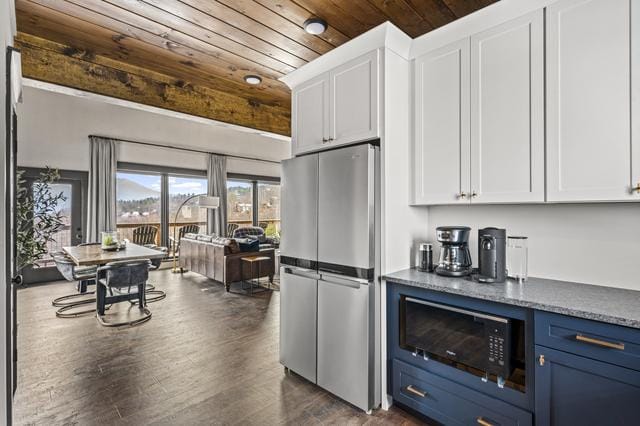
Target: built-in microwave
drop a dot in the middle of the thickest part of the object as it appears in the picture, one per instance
(466, 339)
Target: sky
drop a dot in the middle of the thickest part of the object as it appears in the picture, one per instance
(182, 185)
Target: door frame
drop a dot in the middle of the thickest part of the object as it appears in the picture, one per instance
(39, 275)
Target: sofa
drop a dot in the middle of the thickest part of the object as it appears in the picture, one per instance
(220, 258)
(258, 233)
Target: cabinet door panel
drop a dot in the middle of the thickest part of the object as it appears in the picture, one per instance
(310, 115)
(354, 100)
(572, 390)
(441, 139)
(589, 101)
(507, 112)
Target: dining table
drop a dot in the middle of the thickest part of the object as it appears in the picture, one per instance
(94, 255)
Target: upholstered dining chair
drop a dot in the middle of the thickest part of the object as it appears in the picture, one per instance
(83, 275)
(145, 234)
(122, 277)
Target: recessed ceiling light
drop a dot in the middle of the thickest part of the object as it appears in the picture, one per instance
(253, 79)
(315, 26)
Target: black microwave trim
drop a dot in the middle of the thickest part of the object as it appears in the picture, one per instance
(459, 310)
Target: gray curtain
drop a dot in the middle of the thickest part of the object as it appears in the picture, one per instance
(101, 215)
(217, 186)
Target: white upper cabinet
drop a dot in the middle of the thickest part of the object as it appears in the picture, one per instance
(507, 112)
(338, 107)
(591, 152)
(354, 100)
(310, 115)
(441, 119)
(479, 117)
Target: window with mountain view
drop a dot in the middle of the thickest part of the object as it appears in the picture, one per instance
(138, 202)
(240, 202)
(181, 188)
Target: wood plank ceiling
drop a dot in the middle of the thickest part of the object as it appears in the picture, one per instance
(192, 55)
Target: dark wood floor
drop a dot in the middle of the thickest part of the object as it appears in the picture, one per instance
(206, 357)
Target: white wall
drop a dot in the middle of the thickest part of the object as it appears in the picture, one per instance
(54, 130)
(588, 243)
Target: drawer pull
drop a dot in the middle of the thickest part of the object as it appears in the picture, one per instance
(598, 342)
(484, 422)
(414, 390)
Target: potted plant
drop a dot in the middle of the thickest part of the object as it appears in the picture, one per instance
(38, 218)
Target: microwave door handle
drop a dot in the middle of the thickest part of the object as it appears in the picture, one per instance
(300, 272)
(458, 310)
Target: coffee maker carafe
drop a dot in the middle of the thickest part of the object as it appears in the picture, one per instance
(492, 265)
(455, 258)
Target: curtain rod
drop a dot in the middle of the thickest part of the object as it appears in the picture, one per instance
(187, 149)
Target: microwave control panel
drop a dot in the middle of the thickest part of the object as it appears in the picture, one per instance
(498, 348)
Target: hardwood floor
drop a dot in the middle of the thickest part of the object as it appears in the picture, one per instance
(206, 357)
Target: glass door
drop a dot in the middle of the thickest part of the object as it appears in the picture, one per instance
(139, 204)
(70, 185)
(191, 218)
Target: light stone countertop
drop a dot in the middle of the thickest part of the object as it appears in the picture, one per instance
(607, 304)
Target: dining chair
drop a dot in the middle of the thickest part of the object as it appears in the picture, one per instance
(83, 275)
(122, 277)
(154, 266)
(145, 234)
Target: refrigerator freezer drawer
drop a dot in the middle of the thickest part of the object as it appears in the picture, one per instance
(298, 296)
(345, 341)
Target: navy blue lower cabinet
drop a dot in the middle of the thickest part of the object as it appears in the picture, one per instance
(574, 390)
(449, 403)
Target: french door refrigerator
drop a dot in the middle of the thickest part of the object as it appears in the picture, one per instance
(329, 318)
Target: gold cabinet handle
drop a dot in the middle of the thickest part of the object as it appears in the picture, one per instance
(635, 188)
(474, 194)
(483, 422)
(414, 390)
(462, 195)
(325, 140)
(598, 342)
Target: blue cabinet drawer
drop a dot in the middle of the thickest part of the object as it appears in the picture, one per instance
(604, 342)
(450, 403)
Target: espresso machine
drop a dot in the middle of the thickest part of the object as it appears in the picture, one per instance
(455, 258)
(492, 265)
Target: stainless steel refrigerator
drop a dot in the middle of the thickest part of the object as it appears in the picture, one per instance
(329, 290)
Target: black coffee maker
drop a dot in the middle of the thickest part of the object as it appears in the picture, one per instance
(492, 247)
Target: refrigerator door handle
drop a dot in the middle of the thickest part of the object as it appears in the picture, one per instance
(343, 281)
(305, 273)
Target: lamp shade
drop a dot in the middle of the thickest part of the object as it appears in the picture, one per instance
(208, 202)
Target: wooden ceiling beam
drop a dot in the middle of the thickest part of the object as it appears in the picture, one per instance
(122, 47)
(59, 64)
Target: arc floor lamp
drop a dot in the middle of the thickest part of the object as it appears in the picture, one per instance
(204, 202)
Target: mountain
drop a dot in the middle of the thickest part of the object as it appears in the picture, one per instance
(129, 190)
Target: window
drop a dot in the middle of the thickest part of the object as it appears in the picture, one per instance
(240, 202)
(138, 198)
(269, 208)
(61, 238)
(181, 188)
(254, 202)
(152, 195)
